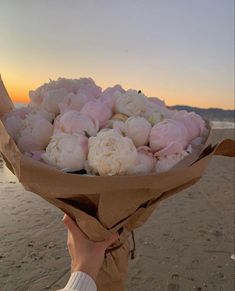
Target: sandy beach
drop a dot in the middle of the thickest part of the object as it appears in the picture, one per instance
(186, 244)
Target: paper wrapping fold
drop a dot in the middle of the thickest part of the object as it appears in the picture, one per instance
(103, 205)
(5, 101)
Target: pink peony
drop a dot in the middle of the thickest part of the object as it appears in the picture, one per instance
(56, 124)
(109, 96)
(49, 95)
(20, 112)
(97, 111)
(172, 148)
(13, 125)
(167, 132)
(192, 121)
(37, 155)
(89, 88)
(27, 144)
(76, 122)
(13, 121)
(51, 100)
(44, 114)
(34, 134)
(74, 101)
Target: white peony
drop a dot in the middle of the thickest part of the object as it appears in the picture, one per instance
(154, 117)
(159, 111)
(118, 126)
(130, 103)
(147, 161)
(165, 163)
(66, 151)
(153, 114)
(138, 129)
(111, 154)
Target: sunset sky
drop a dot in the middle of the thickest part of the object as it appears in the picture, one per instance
(179, 50)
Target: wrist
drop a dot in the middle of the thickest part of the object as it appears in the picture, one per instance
(89, 270)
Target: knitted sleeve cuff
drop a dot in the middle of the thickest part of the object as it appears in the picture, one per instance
(81, 282)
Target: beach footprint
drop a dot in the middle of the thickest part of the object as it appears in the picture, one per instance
(173, 284)
(173, 287)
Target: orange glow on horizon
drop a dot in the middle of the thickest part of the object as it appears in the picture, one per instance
(20, 96)
(20, 93)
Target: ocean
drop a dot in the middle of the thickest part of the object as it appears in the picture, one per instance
(222, 124)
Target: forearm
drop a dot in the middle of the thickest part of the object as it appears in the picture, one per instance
(80, 281)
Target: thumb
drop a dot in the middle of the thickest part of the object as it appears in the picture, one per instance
(69, 223)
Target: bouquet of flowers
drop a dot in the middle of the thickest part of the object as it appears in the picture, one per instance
(105, 157)
(73, 126)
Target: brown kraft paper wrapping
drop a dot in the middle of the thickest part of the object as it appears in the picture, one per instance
(103, 205)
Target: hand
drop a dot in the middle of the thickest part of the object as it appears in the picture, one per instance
(86, 256)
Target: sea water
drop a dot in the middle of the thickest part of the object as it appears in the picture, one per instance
(222, 124)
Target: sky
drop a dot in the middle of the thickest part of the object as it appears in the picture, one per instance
(179, 50)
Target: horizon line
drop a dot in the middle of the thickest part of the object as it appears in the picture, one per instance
(205, 108)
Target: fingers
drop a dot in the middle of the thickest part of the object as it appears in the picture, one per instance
(73, 227)
(76, 232)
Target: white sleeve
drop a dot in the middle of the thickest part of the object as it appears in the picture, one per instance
(80, 281)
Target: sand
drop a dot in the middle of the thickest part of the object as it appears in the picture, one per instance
(186, 244)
